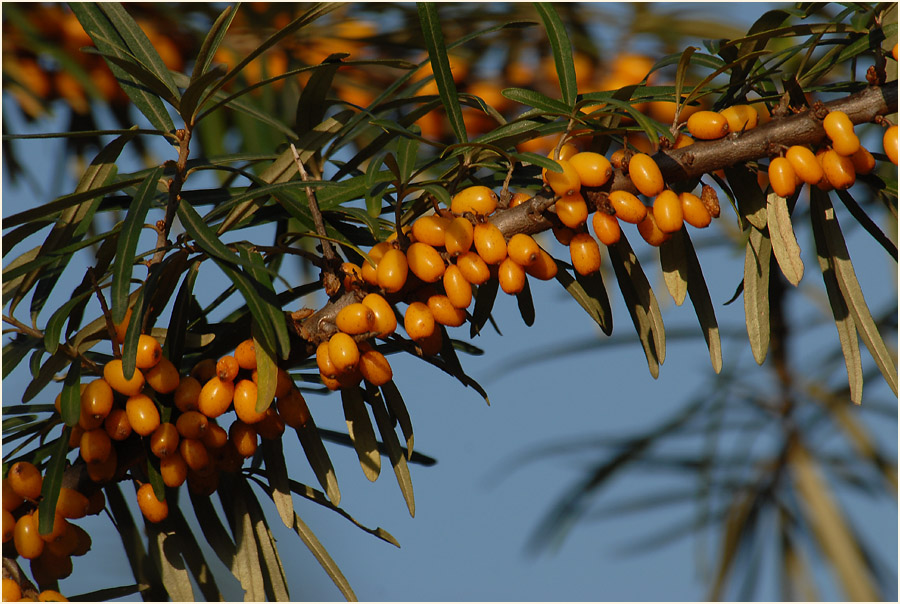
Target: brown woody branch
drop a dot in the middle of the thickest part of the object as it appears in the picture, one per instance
(183, 136)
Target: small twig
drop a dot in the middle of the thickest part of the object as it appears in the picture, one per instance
(183, 136)
(110, 326)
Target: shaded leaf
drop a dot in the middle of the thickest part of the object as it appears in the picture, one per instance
(211, 42)
(673, 262)
(398, 411)
(392, 444)
(784, 242)
(173, 349)
(213, 530)
(70, 397)
(52, 481)
(590, 293)
(702, 303)
(321, 554)
(246, 562)
(276, 471)
(750, 199)
(165, 550)
(526, 304)
(318, 459)
(193, 556)
(440, 66)
(484, 303)
(274, 578)
(361, 432)
(756, 292)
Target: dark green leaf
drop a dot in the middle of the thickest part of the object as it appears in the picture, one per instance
(70, 397)
(537, 100)
(562, 51)
(173, 349)
(194, 557)
(526, 304)
(359, 427)
(392, 444)
(703, 306)
(750, 199)
(53, 475)
(590, 293)
(318, 459)
(440, 66)
(49, 368)
(398, 411)
(312, 103)
(211, 42)
(484, 303)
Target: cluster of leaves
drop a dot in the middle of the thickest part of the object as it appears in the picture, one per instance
(372, 172)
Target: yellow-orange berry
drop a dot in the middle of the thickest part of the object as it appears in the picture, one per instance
(651, 232)
(477, 199)
(838, 169)
(375, 369)
(142, 414)
(355, 318)
(694, 211)
(25, 479)
(393, 269)
(523, 249)
(245, 353)
(567, 151)
(215, 436)
(227, 368)
(244, 438)
(444, 312)
(292, 407)
(489, 243)
(271, 426)
(11, 590)
(343, 352)
(117, 425)
(215, 397)
(839, 129)
(563, 234)
(585, 253)
(95, 445)
(740, 117)
(459, 236)
(473, 268)
(26, 538)
(11, 499)
(59, 526)
(572, 210)
(667, 212)
(385, 320)
(544, 269)
(458, 289)
(782, 177)
(204, 370)
(114, 376)
(425, 262)
(805, 164)
(187, 395)
(890, 141)
(51, 595)
(593, 169)
(566, 182)
(152, 508)
(606, 228)
(863, 161)
(370, 271)
(173, 470)
(66, 543)
(323, 361)
(122, 327)
(71, 504)
(432, 344)
(519, 199)
(194, 453)
(431, 230)
(245, 394)
(164, 440)
(628, 207)
(191, 424)
(645, 174)
(96, 401)
(682, 140)
(9, 525)
(707, 125)
(511, 276)
(149, 352)
(418, 321)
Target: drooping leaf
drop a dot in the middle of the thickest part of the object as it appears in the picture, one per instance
(703, 306)
(194, 557)
(590, 293)
(484, 303)
(165, 550)
(274, 577)
(315, 546)
(318, 459)
(246, 562)
(70, 397)
(440, 67)
(392, 444)
(756, 292)
(173, 349)
(398, 410)
(276, 471)
(213, 530)
(784, 242)
(361, 432)
(750, 199)
(52, 481)
(673, 261)
(526, 304)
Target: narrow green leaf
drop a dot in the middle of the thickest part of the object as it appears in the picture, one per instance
(53, 475)
(784, 242)
(683, 63)
(703, 306)
(156, 481)
(484, 303)
(750, 199)
(321, 554)
(190, 100)
(440, 66)
(867, 223)
(756, 292)
(276, 471)
(48, 370)
(395, 453)
(359, 427)
(562, 51)
(673, 262)
(407, 154)
(259, 273)
(535, 99)
(128, 241)
(56, 321)
(213, 530)
(211, 42)
(526, 304)
(312, 104)
(109, 594)
(266, 369)
(173, 349)
(259, 308)
(135, 325)
(319, 460)
(274, 578)
(70, 397)
(590, 293)
(398, 410)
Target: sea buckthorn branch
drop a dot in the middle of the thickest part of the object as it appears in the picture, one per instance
(183, 136)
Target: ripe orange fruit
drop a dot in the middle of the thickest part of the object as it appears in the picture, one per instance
(192, 424)
(77, 431)
(839, 129)
(292, 407)
(245, 394)
(523, 249)
(25, 480)
(122, 327)
(477, 199)
(11, 499)
(95, 445)
(432, 344)
(890, 141)
(489, 243)
(518, 199)
(117, 425)
(650, 232)
(544, 269)
(152, 508)
(563, 183)
(585, 254)
(393, 269)
(563, 234)
(740, 117)
(26, 538)
(444, 312)
(105, 470)
(606, 227)
(215, 397)
(459, 236)
(425, 262)
(9, 526)
(142, 414)
(838, 169)
(11, 590)
(187, 395)
(323, 361)
(245, 353)
(645, 174)
(271, 426)
(112, 373)
(369, 271)
(164, 440)
(51, 595)
(566, 152)
(149, 352)
(204, 370)
(572, 210)
(458, 289)
(173, 470)
(71, 504)
(215, 436)
(805, 165)
(343, 352)
(707, 125)
(431, 230)
(473, 268)
(59, 526)
(782, 177)
(227, 368)
(385, 320)
(418, 321)
(682, 140)
(863, 162)
(244, 438)
(97, 401)
(694, 211)
(375, 369)
(355, 318)
(511, 276)
(593, 169)
(667, 212)
(194, 453)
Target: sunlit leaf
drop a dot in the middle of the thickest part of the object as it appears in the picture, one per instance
(784, 242)
(673, 261)
(392, 444)
(361, 432)
(276, 471)
(562, 50)
(315, 546)
(756, 292)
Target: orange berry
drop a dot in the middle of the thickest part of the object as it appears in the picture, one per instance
(96, 503)
(283, 382)
(97, 400)
(617, 159)
(667, 212)
(164, 440)
(245, 394)
(628, 207)
(9, 525)
(650, 232)
(511, 276)
(544, 269)
(473, 268)
(343, 352)
(187, 395)
(805, 165)
(740, 117)
(523, 249)
(59, 526)
(51, 595)
(215, 436)
(489, 243)
(323, 361)
(458, 289)
(75, 435)
(227, 368)
(863, 162)
(122, 327)
(566, 152)
(393, 269)
(271, 426)
(585, 253)
(11, 499)
(355, 318)
(418, 321)
(95, 445)
(606, 227)
(431, 230)
(152, 508)
(782, 177)
(518, 199)
(244, 438)
(707, 125)
(192, 424)
(194, 453)
(142, 414)
(593, 169)
(839, 129)
(838, 169)
(375, 368)
(105, 470)
(11, 590)
(204, 370)
(563, 183)
(385, 320)
(890, 143)
(476, 199)
(369, 271)
(572, 210)
(432, 344)
(25, 480)
(292, 406)
(117, 425)
(26, 538)
(694, 211)
(682, 140)
(425, 262)
(459, 236)
(563, 234)
(112, 373)
(245, 353)
(149, 352)
(71, 504)
(444, 312)
(215, 397)
(66, 543)
(173, 470)
(645, 174)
